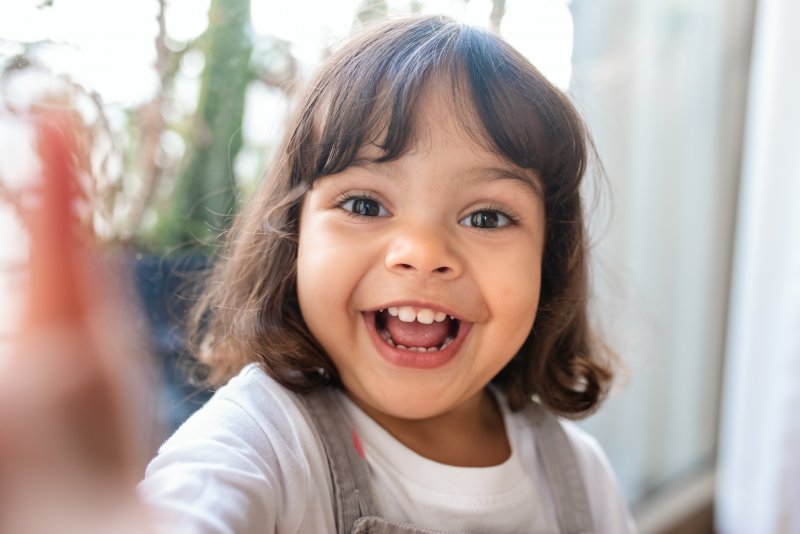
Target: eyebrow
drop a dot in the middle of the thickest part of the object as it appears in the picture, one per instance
(473, 176)
(488, 174)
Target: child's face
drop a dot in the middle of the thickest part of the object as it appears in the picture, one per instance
(412, 232)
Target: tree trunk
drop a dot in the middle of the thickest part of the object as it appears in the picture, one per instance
(205, 196)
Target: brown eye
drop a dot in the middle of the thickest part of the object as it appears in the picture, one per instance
(364, 207)
(486, 220)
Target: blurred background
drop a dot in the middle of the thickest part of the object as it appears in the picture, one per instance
(694, 108)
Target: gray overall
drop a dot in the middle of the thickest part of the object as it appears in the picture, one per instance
(354, 507)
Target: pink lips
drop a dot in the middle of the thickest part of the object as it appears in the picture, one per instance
(415, 360)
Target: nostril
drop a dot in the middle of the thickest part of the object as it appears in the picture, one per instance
(442, 269)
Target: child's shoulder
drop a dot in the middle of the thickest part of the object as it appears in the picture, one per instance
(253, 406)
(589, 454)
(606, 498)
(248, 456)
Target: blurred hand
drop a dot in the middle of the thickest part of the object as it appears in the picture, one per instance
(75, 398)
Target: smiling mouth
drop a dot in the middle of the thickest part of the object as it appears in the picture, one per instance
(396, 330)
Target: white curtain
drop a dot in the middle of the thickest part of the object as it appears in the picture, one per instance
(759, 462)
(659, 82)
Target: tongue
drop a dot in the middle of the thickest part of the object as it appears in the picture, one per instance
(417, 334)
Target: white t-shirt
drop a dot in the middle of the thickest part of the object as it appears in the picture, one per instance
(249, 461)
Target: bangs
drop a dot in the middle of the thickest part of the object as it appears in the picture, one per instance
(368, 94)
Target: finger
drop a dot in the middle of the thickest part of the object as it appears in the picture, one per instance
(73, 367)
(109, 388)
(54, 296)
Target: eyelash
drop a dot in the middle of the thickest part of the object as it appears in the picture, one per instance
(513, 219)
(361, 195)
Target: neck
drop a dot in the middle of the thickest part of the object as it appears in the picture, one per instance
(470, 435)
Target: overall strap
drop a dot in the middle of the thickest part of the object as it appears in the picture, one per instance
(349, 475)
(562, 472)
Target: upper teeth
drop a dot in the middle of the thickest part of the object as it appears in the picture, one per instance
(409, 314)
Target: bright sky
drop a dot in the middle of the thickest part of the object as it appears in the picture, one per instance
(110, 42)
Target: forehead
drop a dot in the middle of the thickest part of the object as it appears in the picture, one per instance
(446, 127)
(443, 112)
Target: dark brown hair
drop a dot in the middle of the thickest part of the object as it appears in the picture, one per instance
(366, 93)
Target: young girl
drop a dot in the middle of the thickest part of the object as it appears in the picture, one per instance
(412, 272)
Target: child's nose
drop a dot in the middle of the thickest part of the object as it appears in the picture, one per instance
(423, 252)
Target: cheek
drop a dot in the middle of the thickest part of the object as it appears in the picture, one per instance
(328, 254)
(320, 271)
(329, 269)
(515, 292)
(313, 257)
(317, 298)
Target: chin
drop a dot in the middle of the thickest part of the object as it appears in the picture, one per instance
(408, 403)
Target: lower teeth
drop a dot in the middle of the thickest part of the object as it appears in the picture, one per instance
(388, 338)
